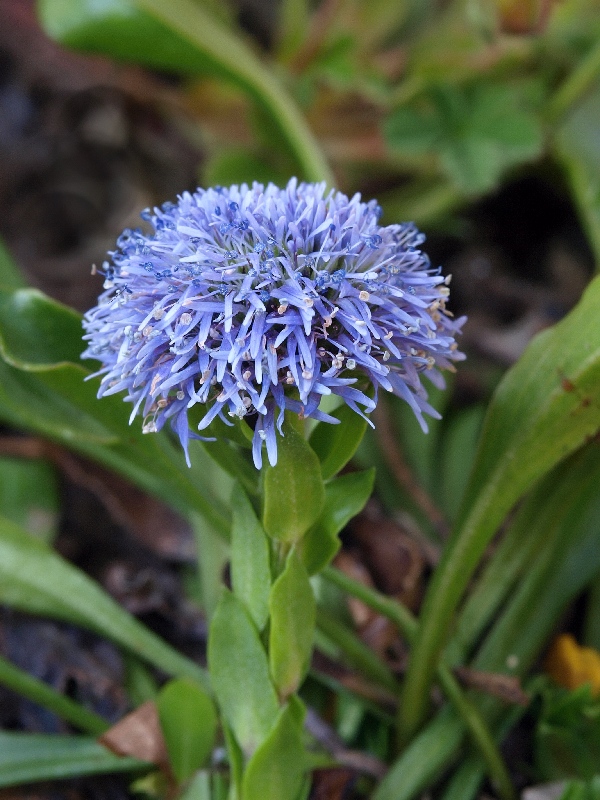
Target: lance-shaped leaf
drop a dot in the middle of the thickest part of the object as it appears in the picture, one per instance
(293, 611)
(546, 406)
(276, 770)
(294, 493)
(35, 579)
(239, 673)
(25, 758)
(345, 497)
(189, 723)
(250, 560)
(336, 444)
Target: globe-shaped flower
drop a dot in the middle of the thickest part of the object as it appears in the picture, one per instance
(253, 300)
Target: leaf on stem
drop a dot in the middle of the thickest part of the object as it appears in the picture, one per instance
(276, 770)
(294, 494)
(189, 723)
(250, 560)
(292, 609)
(239, 672)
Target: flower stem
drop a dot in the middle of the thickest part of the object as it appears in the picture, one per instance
(39, 692)
(575, 86)
(408, 624)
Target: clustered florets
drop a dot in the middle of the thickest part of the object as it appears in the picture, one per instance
(253, 300)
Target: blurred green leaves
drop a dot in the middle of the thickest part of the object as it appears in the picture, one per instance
(477, 132)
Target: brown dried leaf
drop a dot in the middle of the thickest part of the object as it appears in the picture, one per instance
(505, 687)
(138, 735)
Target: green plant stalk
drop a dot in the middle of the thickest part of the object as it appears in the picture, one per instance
(575, 86)
(39, 692)
(192, 22)
(356, 652)
(470, 715)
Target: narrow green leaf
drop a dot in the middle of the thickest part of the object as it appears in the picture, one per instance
(35, 579)
(189, 723)
(345, 497)
(43, 388)
(546, 406)
(578, 150)
(292, 609)
(336, 444)
(276, 770)
(29, 495)
(250, 559)
(44, 695)
(183, 37)
(10, 276)
(293, 490)
(27, 758)
(239, 673)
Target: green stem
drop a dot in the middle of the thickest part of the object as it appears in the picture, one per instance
(39, 692)
(575, 86)
(234, 57)
(408, 624)
(356, 652)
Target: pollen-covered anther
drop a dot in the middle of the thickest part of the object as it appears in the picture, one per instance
(282, 309)
(147, 330)
(364, 296)
(158, 313)
(162, 402)
(246, 375)
(180, 395)
(185, 318)
(350, 364)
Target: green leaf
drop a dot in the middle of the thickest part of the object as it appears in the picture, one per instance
(43, 389)
(29, 495)
(27, 758)
(336, 444)
(239, 673)
(293, 610)
(276, 770)
(578, 150)
(35, 579)
(345, 497)
(250, 559)
(293, 489)
(198, 788)
(189, 723)
(478, 131)
(545, 407)
(413, 131)
(183, 37)
(10, 276)
(459, 444)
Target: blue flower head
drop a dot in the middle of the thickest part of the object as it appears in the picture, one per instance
(249, 301)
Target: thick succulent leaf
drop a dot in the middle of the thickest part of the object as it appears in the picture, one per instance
(546, 407)
(25, 758)
(35, 579)
(43, 388)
